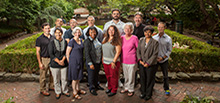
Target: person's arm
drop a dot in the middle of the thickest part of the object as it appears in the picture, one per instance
(118, 52)
(169, 49)
(153, 58)
(67, 40)
(87, 48)
(68, 50)
(139, 52)
(41, 66)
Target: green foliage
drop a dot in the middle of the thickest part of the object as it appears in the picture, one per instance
(6, 30)
(9, 100)
(194, 99)
(21, 56)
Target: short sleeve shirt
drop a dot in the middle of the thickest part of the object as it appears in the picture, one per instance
(43, 42)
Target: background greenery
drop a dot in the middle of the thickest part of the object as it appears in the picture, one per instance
(21, 56)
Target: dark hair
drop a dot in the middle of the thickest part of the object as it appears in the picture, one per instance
(44, 24)
(116, 10)
(138, 13)
(59, 30)
(92, 28)
(146, 28)
(116, 39)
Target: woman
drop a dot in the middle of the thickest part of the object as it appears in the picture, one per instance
(147, 55)
(93, 51)
(58, 64)
(74, 54)
(111, 48)
(128, 58)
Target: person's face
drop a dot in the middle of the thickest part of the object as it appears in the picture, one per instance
(127, 29)
(46, 29)
(59, 22)
(58, 34)
(147, 34)
(77, 33)
(111, 31)
(91, 21)
(73, 23)
(92, 33)
(115, 15)
(138, 19)
(161, 28)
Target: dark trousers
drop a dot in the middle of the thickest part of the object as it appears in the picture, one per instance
(147, 79)
(93, 76)
(164, 68)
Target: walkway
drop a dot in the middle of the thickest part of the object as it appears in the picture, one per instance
(28, 92)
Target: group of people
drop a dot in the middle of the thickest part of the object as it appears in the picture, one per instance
(120, 44)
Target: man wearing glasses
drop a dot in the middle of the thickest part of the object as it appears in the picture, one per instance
(115, 21)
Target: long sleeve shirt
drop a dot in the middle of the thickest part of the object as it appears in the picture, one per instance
(165, 46)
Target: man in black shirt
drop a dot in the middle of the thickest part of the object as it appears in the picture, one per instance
(43, 58)
(138, 26)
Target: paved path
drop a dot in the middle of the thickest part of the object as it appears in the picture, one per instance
(28, 92)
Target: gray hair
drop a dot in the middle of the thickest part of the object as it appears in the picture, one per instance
(75, 29)
(129, 24)
(91, 17)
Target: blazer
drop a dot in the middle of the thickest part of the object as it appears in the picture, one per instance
(147, 54)
(90, 51)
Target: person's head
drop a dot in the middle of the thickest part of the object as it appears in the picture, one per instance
(58, 33)
(161, 27)
(59, 22)
(92, 32)
(113, 31)
(138, 17)
(91, 21)
(116, 14)
(77, 32)
(73, 23)
(128, 28)
(46, 28)
(148, 31)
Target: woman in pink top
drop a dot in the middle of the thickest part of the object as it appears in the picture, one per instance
(128, 58)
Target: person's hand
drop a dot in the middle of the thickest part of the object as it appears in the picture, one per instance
(141, 62)
(146, 65)
(61, 63)
(113, 65)
(41, 66)
(159, 59)
(92, 67)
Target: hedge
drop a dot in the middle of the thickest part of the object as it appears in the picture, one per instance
(21, 56)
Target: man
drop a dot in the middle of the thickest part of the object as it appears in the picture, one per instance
(138, 26)
(68, 34)
(59, 23)
(43, 58)
(91, 23)
(115, 21)
(165, 48)
(139, 32)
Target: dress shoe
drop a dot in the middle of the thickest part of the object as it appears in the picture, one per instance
(93, 92)
(45, 93)
(111, 94)
(147, 98)
(142, 96)
(99, 88)
(108, 91)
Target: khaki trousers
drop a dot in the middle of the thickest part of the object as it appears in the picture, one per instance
(129, 75)
(43, 73)
(60, 74)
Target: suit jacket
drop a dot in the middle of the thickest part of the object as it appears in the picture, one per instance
(148, 54)
(90, 51)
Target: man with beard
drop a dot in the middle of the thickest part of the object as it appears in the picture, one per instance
(115, 21)
(138, 26)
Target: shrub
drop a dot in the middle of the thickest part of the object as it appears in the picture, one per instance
(21, 56)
